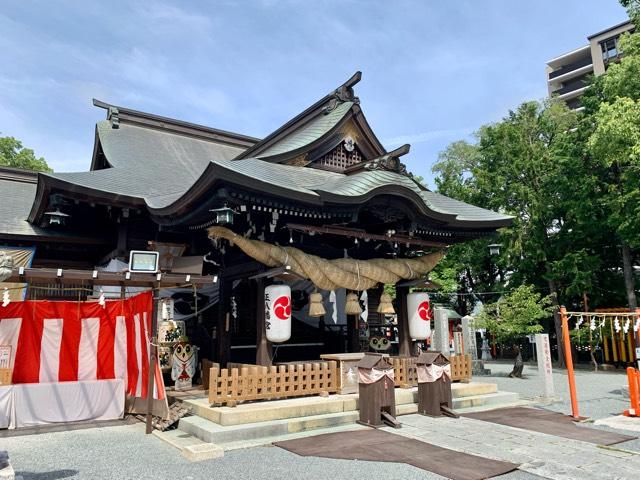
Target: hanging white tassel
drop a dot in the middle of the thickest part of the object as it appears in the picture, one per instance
(579, 322)
(364, 298)
(5, 297)
(592, 324)
(101, 300)
(626, 326)
(604, 319)
(636, 326)
(334, 306)
(616, 325)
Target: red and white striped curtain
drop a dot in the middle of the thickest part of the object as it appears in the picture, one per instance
(76, 341)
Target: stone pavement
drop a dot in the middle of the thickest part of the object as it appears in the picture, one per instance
(540, 454)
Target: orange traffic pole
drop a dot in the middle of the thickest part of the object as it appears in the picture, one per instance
(634, 394)
(569, 361)
(637, 342)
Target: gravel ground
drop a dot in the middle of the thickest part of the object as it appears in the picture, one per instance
(124, 452)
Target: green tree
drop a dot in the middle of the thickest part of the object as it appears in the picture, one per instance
(14, 154)
(614, 146)
(516, 314)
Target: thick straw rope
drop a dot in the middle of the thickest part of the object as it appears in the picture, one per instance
(332, 274)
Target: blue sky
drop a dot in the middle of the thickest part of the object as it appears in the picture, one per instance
(433, 71)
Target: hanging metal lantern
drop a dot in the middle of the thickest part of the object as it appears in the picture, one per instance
(385, 306)
(353, 305)
(223, 215)
(316, 307)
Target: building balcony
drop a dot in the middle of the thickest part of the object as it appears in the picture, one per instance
(572, 67)
(571, 93)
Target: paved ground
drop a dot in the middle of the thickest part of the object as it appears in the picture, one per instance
(598, 393)
(124, 452)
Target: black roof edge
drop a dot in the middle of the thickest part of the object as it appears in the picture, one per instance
(312, 110)
(18, 175)
(621, 24)
(163, 122)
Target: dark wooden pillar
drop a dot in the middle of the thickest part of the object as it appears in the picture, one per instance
(353, 333)
(404, 341)
(223, 337)
(264, 353)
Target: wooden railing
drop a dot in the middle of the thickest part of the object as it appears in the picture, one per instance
(404, 370)
(252, 382)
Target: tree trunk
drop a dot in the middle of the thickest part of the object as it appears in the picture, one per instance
(557, 322)
(629, 281)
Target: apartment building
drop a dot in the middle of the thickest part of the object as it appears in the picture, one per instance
(567, 74)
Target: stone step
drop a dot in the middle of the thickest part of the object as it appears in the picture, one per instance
(309, 406)
(257, 442)
(212, 432)
(272, 410)
(494, 400)
(472, 388)
(189, 446)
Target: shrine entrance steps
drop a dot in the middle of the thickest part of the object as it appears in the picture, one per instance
(261, 423)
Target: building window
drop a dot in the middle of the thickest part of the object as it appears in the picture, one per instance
(609, 49)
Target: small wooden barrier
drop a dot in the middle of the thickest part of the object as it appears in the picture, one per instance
(253, 382)
(406, 376)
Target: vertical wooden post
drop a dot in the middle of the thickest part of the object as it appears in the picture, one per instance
(404, 340)
(263, 346)
(153, 355)
(353, 333)
(223, 337)
(569, 362)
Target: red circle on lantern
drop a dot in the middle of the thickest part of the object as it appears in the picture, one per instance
(424, 311)
(282, 307)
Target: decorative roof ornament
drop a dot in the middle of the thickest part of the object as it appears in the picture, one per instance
(113, 116)
(390, 162)
(344, 93)
(349, 144)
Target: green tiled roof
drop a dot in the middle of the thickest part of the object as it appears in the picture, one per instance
(152, 165)
(159, 168)
(309, 133)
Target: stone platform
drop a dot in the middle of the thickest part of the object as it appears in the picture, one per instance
(261, 423)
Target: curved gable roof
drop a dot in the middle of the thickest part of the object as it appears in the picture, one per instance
(169, 170)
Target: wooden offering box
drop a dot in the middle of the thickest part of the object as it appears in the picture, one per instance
(347, 369)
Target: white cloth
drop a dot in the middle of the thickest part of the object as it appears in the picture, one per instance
(374, 374)
(364, 298)
(334, 306)
(44, 403)
(7, 416)
(431, 373)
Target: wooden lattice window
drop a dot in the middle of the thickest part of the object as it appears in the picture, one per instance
(340, 159)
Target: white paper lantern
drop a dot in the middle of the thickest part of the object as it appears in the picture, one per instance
(419, 313)
(277, 312)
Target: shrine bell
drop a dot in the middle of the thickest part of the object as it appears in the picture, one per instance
(376, 389)
(434, 385)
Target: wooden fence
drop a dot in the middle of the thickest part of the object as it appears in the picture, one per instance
(404, 370)
(251, 382)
